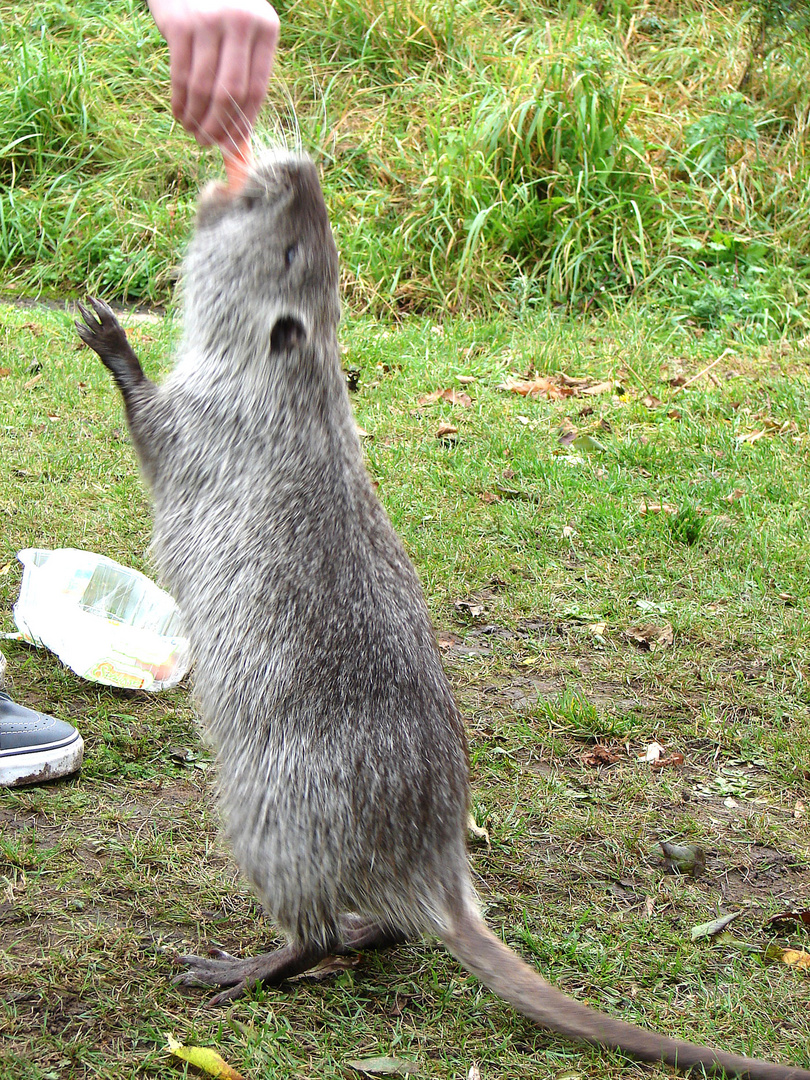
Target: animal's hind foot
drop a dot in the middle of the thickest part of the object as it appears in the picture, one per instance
(237, 976)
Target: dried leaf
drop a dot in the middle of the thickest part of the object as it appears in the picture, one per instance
(451, 395)
(470, 607)
(384, 1066)
(328, 966)
(787, 922)
(202, 1057)
(709, 929)
(569, 532)
(477, 831)
(362, 433)
(650, 637)
(599, 755)
(4, 372)
(792, 957)
(597, 388)
(546, 386)
(32, 382)
(751, 437)
(656, 508)
(474, 1072)
(734, 495)
(653, 752)
(671, 759)
(650, 401)
(489, 497)
(446, 641)
(444, 430)
(465, 380)
(684, 858)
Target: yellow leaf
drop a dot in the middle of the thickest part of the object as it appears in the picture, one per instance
(791, 957)
(202, 1057)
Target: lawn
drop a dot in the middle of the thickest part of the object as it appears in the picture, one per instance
(597, 452)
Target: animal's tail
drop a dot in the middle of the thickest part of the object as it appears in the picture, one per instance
(471, 942)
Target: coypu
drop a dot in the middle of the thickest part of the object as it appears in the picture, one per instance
(342, 756)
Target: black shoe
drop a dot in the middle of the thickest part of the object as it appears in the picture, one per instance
(35, 747)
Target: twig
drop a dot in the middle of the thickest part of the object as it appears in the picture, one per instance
(725, 352)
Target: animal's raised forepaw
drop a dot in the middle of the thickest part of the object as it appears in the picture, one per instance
(105, 335)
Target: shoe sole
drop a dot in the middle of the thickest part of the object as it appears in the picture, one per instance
(41, 766)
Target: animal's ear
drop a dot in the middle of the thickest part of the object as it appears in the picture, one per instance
(287, 333)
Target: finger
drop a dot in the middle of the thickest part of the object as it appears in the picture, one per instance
(202, 80)
(180, 52)
(225, 118)
(261, 65)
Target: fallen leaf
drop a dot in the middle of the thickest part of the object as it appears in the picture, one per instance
(384, 1066)
(599, 755)
(574, 381)
(792, 957)
(362, 433)
(489, 497)
(32, 382)
(671, 759)
(477, 831)
(447, 641)
(709, 929)
(328, 966)
(597, 628)
(653, 752)
(5, 569)
(650, 637)
(751, 437)
(469, 607)
(787, 922)
(597, 388)
(656, 508)
(443, 430)
(588, 443)
(474, 1072)
(465, 380)
(650, 401)
(546, 386)
(567, 434)
(673, 414)
(202, 1057)
(4, 372)
(734, 495)
(451, 395)
(650, 605)
(684, 858)
(569, 532)
(677, 380)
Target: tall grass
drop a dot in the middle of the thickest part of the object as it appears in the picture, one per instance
(475, 155)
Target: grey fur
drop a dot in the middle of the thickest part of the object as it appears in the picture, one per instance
(343, 765)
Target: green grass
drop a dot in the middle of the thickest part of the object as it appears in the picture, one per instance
(608, 191)
(105, 877)
(477, 157)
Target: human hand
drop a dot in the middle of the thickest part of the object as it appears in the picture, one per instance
(221, 54)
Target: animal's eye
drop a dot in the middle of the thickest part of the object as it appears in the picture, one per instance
(289, 255)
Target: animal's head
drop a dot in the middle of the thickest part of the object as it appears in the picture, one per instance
(263, 259)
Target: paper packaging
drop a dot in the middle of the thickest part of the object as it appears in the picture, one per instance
(106, 622)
